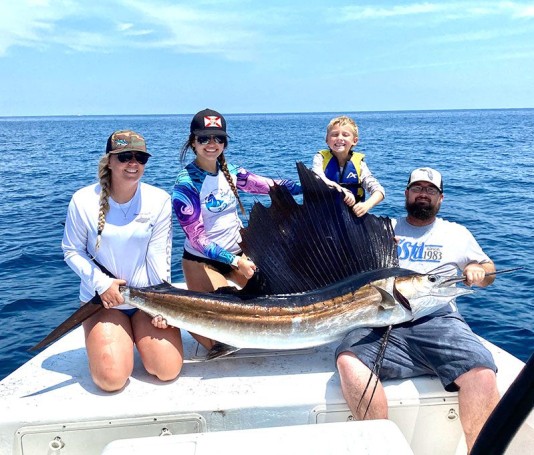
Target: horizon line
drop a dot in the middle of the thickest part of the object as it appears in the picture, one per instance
(270, 113)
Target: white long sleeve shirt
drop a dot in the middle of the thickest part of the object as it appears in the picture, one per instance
(136, 241)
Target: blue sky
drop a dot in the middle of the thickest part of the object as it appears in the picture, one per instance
(68, 57)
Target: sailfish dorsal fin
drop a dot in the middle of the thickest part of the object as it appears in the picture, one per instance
(301, 247)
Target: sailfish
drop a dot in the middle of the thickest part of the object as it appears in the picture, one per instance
(322, 271)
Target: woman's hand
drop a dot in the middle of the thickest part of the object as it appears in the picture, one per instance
(111, 296)
(246, 267)
(159, 322)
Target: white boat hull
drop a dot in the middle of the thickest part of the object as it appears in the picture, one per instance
(51, 403)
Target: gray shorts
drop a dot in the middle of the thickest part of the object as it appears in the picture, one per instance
(441, 345)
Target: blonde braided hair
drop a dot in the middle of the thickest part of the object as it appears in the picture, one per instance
(104, 176)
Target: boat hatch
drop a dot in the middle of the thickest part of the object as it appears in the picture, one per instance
(77, 437)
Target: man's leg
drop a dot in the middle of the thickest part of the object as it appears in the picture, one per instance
(354, 377)
(477, 397)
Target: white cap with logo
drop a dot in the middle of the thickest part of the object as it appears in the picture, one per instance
(426, 174)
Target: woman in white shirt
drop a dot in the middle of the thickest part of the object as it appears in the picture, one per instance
(125, 226)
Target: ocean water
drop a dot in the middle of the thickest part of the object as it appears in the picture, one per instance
(486, 157)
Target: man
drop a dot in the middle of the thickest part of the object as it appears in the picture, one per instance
(456, 356)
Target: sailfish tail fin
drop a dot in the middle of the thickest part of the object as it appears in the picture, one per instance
(73, 321)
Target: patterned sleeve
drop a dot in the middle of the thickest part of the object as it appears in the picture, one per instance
(369, 183)
(186, 205)
(256, 184)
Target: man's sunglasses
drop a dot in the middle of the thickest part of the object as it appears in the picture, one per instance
(203, 140)
(125, 157)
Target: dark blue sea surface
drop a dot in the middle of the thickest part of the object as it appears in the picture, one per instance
(486, 157)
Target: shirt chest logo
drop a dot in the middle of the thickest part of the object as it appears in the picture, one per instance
(419, 252)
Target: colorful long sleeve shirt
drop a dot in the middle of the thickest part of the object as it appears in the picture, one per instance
(206, 208)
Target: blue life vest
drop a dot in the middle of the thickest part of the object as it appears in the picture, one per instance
(349, 177)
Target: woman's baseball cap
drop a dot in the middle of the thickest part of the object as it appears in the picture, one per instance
(208, 122)
(426, 174)
(126, 141)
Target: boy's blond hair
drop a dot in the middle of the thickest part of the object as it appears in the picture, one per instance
(343, 120)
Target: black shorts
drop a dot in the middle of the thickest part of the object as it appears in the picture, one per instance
(221, 267)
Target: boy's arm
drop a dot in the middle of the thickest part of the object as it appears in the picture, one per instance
(361, 208)
(373, 187)
(317, 167)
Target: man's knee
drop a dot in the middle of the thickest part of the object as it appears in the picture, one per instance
(343, 359)
(347, 362)
(481, 377)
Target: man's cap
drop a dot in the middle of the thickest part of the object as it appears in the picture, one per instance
(126, 141)
(426, 174)
(208, 122)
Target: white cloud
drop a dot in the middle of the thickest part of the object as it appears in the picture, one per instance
(233, 29)
(208, 27)
(205, 27)
(482, 35)
(378, 12)
(26, 22)
(121, 27)
(450, 10)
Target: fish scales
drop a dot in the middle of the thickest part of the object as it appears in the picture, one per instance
(275, 326)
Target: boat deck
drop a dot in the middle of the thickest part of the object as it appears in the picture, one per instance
(51, 401)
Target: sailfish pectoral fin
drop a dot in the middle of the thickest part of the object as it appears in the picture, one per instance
(401, 299)
(220, 350)
(388, 301)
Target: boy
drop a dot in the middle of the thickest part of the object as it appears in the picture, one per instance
(345, 169)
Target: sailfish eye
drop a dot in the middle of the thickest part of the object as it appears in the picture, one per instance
(432, 278)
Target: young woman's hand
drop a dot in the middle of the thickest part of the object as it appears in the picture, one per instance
(111, 296)
(246, 267)
(159, 322)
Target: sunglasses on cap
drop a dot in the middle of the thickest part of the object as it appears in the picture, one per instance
(203, 140)
(125, 157)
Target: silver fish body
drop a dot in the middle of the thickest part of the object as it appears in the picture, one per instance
(300, 320)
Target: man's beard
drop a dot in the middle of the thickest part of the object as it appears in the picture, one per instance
(422, 212)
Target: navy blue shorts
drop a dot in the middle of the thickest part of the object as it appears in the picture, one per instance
(129, 312)
(441, 345)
